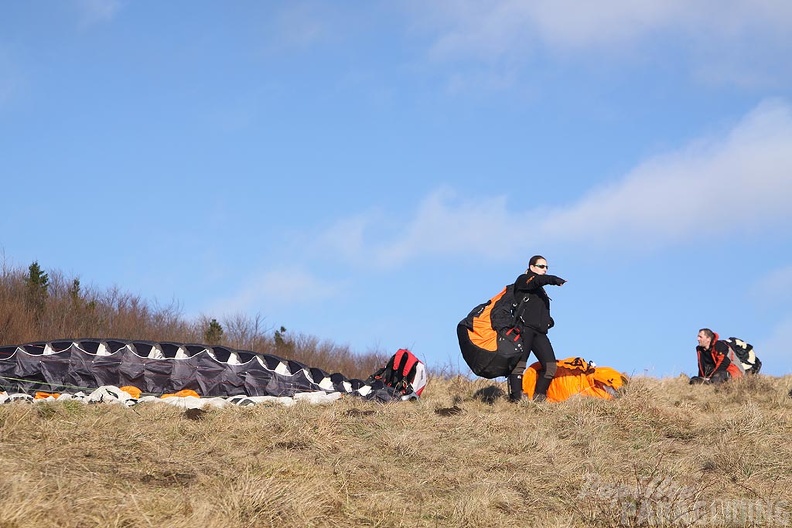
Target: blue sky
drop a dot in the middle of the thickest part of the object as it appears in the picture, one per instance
(368, 172)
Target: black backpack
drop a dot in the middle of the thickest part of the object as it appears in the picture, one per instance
(489, 337)
(745, 353)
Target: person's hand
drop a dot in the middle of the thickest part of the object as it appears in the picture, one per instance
(560, 281)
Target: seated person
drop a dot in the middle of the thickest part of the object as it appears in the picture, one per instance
(717, 362)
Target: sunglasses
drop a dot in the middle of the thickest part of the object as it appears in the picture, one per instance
(541, 266)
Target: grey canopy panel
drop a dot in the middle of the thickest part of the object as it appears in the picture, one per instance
(167, 367)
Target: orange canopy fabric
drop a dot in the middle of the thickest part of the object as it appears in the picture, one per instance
(576, 376)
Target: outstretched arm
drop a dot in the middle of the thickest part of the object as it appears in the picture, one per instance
(531, 281)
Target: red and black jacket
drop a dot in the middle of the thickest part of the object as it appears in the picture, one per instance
(718, 360)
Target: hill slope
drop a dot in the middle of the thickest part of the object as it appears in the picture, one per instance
(664, 453)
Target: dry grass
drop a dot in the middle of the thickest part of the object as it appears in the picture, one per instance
(665, 453)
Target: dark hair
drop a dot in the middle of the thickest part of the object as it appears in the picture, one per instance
(535, 259)
(707, 332)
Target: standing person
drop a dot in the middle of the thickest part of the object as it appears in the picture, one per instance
(717, 362)
(533, 320)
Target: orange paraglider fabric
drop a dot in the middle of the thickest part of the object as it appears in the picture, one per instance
(575, 375)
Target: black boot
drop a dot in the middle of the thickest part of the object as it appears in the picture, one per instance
(515, 387)
(540, 393)
(546, 375)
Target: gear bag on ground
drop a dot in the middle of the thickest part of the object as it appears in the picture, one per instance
(404, 373)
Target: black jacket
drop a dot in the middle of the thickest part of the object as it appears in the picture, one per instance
(534, 312)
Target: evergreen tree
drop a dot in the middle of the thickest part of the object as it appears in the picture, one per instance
(214, 333)
(37, 284)
(282, 344)
(74, 292)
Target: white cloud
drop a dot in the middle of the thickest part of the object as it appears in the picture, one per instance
(734, 183)
(502, 26)
(278, 288)
(300, 26)
(346, 237)
(741, 42)
(441, 227)
(442, 224)
(738, 182)
(98, 11)
(513, 27)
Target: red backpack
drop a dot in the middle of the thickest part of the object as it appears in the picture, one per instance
(404, 372)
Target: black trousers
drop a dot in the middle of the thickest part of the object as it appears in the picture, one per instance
(540, 345)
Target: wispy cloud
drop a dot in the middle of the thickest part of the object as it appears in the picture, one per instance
(445, 224)
(300, 26)
(347, 237)
(741, 41)
(98, 11)
(303, 25)
(714, 186)
(278, 288)
(499, 27)
(442, 224)
(775, 287)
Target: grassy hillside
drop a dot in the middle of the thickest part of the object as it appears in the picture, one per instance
(663, 454)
